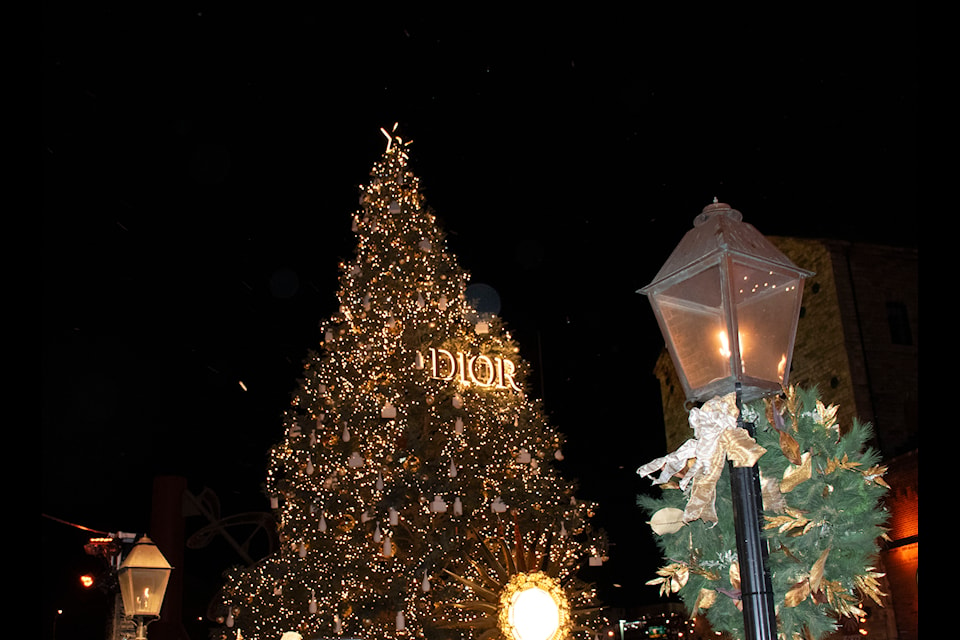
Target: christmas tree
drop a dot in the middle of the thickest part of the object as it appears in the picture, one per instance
(415, 489)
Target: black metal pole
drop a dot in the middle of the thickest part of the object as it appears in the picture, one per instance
(760, 622)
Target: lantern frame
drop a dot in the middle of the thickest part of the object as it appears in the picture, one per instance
(143, 576)
(728, 302)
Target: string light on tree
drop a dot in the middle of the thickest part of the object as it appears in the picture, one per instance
(402, 450)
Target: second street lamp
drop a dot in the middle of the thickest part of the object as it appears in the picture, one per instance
(143, 577)
(727, 302)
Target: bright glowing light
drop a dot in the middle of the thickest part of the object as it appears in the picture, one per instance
(534, 607)
(534, 615)
(86, 581)
(143, 602)
(724, 344)
(725, 348)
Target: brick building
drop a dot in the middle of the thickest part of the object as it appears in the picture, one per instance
(857, 340)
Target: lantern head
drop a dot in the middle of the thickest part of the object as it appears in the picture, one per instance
(728, 302)
(143, 577)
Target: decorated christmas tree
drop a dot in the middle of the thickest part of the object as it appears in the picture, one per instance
(414, 488)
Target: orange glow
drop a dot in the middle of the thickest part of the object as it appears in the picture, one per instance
(724, 344)
(86, 581)
(725, 347)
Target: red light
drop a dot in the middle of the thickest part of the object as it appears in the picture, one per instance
(86, 581)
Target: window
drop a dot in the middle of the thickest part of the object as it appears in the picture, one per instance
(899, 323)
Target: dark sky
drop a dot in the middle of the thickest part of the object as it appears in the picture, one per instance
(201, 162)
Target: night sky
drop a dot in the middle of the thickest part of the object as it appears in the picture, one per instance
(201, 164)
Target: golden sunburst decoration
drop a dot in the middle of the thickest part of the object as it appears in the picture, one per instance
(533, 606)
(518, 594)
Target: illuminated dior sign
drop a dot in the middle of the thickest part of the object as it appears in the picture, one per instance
(469, 369)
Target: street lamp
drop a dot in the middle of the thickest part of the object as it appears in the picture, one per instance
(727, 302)
(143, 577)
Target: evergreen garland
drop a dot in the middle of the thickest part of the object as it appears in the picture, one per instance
(822, 522)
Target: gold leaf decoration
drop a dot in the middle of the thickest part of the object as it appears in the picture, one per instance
(797, 473)
(875, 474)
(705, 600)
(790, 448)
(772, 495)
(842, 601)
(797, 594)
(792, 519)
(816, 572)
(792, 404)
(869, 585)
(672, 578)
(827, 416)
(735, 575)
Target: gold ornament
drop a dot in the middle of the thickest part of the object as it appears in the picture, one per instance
(667, 520)
(347, 524)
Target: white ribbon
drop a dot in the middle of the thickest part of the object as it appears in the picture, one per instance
(716, 438)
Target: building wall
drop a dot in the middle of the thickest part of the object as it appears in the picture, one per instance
(900, 557)
(881, 311)
(825, 354)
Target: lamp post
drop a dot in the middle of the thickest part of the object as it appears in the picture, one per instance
(727, 302)
(143, 577)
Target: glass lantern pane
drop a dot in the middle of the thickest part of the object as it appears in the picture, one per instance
(766, 310)
(144, 589)
(692, 317)
(699, 342)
